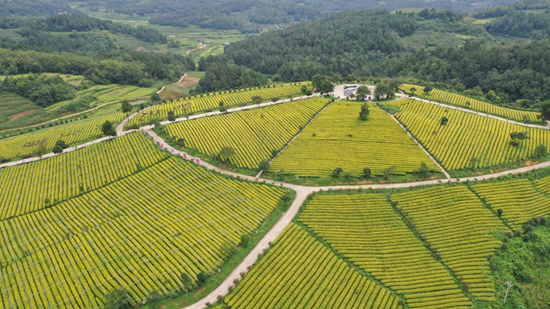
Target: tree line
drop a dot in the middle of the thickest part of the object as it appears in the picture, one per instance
(127, 68)
(222, 75)
(41, 89)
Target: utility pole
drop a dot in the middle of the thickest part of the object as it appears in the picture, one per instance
(509, 284)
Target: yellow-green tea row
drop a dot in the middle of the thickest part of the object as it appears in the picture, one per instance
(33, 186)
(338, 138)
(463, 101)
(212, 100)
(454, 222)
(253, 134)
(140, 234)
(366, 230)
(300, 272)
(518, 199)
(467, 140)
(70, 133)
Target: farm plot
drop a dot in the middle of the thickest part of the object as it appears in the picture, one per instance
(253, 134)
(455, 224)
(467, 140)
(366, 230)
(36, 185)
(518, 199)
(338, 138)
(140, 233)
(300, 272)
(16, 111)
(463, 101)
(212, 100)
(71, 133)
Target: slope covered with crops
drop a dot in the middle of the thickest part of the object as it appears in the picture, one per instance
(36, 185)
(70, 133)
(300, 272)
(140, 234)
(466, 102)
(253, 134)
(212, 100)
(338, 138)
(467, 140)
(519, 199)
(455, 224)
(366, 230)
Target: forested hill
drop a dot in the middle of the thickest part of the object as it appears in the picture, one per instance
(368, 43)
(340, 43)
(34, 8)
(75, 34)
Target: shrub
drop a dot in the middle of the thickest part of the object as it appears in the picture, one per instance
(245, 240)
(135, 126)
(201, 278)
(526, 238)
(171, 117)
(527, 228)
(505, 239)
(367, 172)
(504, 246)
(264, 165)
(57, 149)
(336, 172)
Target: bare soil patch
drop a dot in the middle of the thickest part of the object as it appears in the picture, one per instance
(188, 81)
(21, 114)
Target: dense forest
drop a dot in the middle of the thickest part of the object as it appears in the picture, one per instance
(130, 68)
(521, 24)
(340, 44)
(35, 8)
(80, 23)
(221, 75)
(499, 11)
(76, 34)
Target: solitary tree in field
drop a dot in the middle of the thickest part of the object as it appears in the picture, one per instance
(303, 89)
(226, 153)
(187, 282)
(424, 171)
(108, 129)
(428, 89)
(500, 212)
(336, 172)
(444, 120)
(40, 151)
(245, 240)
(171, 116)
(367, 172)
(155, 98)
(364, 113)
(57, 149)
(545, 110)
(541, 151)
(201, 278)
(326, 86)
(264, 165)
(118, 299)
(257, 99)
(362, 92)
(126, 107)
(221, 104)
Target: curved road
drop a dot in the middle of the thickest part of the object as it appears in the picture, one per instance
(302, 192)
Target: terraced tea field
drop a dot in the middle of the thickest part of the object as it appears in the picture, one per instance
(300, 272)
(519, 199)
(253, 134)
(27, 144)
(140, 233)
(212, 100)
(463, 101)
(455, 224)
(34, 186)
(467, 140)
(366, 230)
(338, 138)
